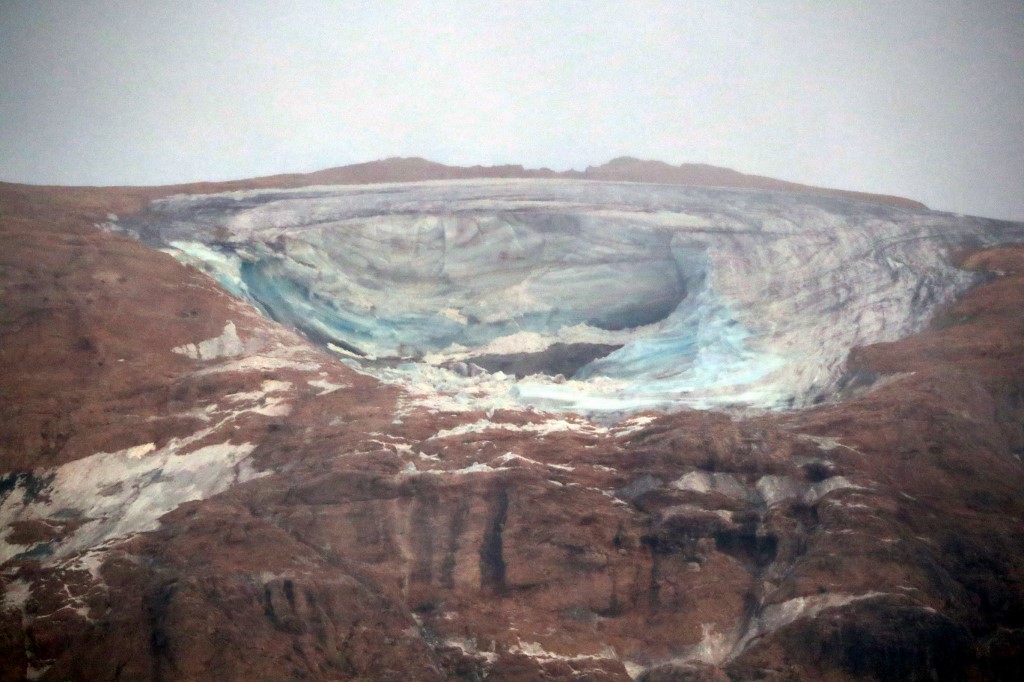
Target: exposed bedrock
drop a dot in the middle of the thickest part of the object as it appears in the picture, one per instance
(190, 490)
(716, 297)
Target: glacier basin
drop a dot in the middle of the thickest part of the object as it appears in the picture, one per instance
(598, 298)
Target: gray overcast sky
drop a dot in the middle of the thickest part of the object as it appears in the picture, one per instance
(923, 98)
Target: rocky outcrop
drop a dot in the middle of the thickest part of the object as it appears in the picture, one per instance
(191, 490)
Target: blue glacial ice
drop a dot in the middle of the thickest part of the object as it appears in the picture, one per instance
(697, 297)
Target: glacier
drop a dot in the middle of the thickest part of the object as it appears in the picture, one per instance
(651, 297)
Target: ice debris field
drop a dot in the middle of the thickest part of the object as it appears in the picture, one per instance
(592, 297)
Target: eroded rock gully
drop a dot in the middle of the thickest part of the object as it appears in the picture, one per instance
(194, 492)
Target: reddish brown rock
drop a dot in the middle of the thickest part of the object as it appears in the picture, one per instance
(875, 538)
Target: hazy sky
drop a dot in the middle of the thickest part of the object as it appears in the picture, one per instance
(923, 98)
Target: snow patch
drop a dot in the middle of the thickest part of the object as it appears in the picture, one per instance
(263, 401)
(540, 428)
(226, 345)
(326, 386)
(135, 492)
(91, 561)
(139, 451)
(475, 468)
(511, 457)
(714, 646)
(535, 650)
(775, 616)
(260, 363)
(266, 388)
(16, 593)
(633, 425)
(469, 648)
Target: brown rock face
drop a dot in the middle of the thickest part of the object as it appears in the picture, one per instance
(193, 492)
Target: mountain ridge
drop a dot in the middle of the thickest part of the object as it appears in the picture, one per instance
(618, 169)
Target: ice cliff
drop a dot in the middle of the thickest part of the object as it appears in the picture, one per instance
(601, 297)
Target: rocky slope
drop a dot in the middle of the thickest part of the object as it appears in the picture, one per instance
(192, 490)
